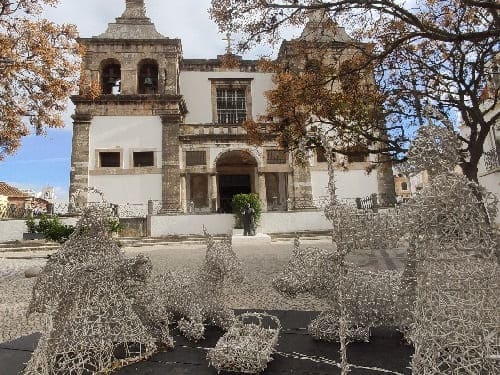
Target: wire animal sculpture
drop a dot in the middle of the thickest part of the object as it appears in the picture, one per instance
(199, 298)
(370, 298)
(86, 291)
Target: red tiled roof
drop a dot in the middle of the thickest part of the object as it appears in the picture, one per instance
(11, 191)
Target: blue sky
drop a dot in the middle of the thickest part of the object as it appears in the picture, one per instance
(45, 160)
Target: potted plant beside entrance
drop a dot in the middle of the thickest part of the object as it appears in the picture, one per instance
(239, 204)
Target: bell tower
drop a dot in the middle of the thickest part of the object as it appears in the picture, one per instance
(130, 75)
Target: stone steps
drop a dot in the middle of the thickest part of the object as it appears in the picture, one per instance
(37, 245)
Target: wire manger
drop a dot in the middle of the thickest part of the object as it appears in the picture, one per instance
(248, 345)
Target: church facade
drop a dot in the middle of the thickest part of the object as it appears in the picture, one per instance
(169, 129)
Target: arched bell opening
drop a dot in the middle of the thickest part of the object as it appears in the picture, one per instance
(147, 77)
(111, 75)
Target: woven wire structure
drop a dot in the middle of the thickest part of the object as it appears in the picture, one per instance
(455, 328)
(369, 298)
(86, 291)
(452, 287)
(196, 299)
(248, 344)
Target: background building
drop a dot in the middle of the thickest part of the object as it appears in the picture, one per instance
(170, 129)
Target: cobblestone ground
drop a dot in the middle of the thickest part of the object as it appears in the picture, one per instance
(260, 264)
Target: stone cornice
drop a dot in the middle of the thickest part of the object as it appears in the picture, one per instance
(131, 105)
(125, 99)
(106, 41)
(82, 117)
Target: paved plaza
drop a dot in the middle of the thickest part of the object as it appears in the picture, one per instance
(260, 264)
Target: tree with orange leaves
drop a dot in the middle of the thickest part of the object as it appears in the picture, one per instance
(39, 69)
(437, 53)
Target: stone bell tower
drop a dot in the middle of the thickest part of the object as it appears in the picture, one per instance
(137, 72)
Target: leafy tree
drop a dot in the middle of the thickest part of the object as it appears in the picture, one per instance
(39, 66)
(438, 53)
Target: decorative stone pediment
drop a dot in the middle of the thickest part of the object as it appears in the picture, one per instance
(133, 24)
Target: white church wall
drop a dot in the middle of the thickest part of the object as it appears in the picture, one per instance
(289, 222)
(134, 189)
(191, 224)
(350, 184)
(197, 90)
(127, 133)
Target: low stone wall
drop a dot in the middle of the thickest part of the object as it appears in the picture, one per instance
(133, 227)
(271, 222)
(166, 225)
(286, 222)
(12, 230)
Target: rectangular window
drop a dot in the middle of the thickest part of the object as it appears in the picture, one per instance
(196, 158)
(231, 106)
(276, 157)
(357, 158)
(144, 159)
(109, 159)
(320, 155)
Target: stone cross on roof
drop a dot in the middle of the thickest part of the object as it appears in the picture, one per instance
(229, 48)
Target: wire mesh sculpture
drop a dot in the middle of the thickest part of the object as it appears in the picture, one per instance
(452, 285)
(195, 299)
(246, 346)
(455, 328)
(86, 291)
(369, 298)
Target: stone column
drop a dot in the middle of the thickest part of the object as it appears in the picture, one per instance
(212, 192)
(183, 193)
(262, 191)
(385, 184)
(290, 192)
(79, 175)
(171, 189)
(302, 188)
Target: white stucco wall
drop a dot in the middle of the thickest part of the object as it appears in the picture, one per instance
(271, 222)
(286, 222)
(350, 184)
(121, 189)
(191, 224)
(127, 134)
(196, 88)
(12, 230)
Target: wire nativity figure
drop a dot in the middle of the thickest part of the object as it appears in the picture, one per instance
(87, 292)
(446, 301)
(195, 299)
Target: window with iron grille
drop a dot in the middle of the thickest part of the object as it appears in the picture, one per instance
(195, 158)
(231, 106)
(276, 157)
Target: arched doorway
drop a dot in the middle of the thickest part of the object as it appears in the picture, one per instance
(236, 171)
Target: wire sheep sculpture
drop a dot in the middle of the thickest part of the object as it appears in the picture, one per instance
(199, 298)
(86, 291)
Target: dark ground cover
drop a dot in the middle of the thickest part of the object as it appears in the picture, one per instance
(297, 353)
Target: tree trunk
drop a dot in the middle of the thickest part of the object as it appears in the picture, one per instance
(470, 171)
